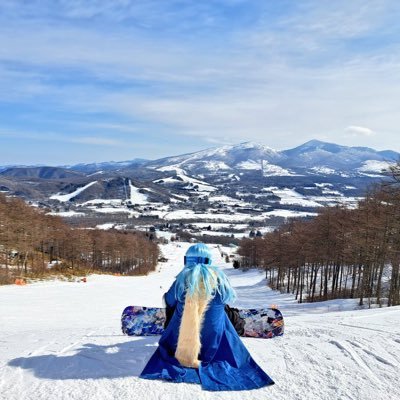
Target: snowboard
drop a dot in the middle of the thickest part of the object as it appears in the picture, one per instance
(147, 321)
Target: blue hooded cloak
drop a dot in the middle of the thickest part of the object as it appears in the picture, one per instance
(225, 362)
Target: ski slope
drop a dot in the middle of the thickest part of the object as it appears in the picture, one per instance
(69, 196)
(62, 340)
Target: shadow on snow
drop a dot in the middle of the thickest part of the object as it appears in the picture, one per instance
(92, 361)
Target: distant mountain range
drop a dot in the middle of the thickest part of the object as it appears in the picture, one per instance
(235, 170)
(311, 157)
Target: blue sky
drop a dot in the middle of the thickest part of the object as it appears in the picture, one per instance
(100, 80)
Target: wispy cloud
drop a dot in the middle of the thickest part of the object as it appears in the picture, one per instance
(359, 131)
(110, 73)
(56, 137)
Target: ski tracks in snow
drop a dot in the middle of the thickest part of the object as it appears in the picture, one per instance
(333, 363)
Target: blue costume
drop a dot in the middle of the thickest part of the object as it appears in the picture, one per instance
(225, 363)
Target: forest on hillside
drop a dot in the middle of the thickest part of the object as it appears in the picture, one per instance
(341, 253)
(33, 243)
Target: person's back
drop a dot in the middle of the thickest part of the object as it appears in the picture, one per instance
(200, 345)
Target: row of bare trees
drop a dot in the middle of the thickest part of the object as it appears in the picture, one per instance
(341, 253)
(31, 240)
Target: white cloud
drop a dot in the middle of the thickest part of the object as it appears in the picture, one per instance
(280, 84)
(219, 141)
(353, 130)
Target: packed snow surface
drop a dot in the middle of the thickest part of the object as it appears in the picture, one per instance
(62, 340)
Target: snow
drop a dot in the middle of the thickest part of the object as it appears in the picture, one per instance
(249, 164)
(213, 154)
(290, 196)
(191, 215)
(254, 145)
(332, 192)
(192, 183)
(135, 196)
(323, 170)
(227, 200)
(334, 198)
(172, 168)
(114, 210)
(62, 340)
(269, 188)
(290, 214)
(215, 165)
(67, 214)
(69, 196)
(102, 201)
(238, 235)
(233, 176)
(105, 226)
(274, 170)
(374, 166)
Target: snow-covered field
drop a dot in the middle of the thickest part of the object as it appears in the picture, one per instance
(62, 340)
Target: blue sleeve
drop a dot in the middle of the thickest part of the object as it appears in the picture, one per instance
(169, 297)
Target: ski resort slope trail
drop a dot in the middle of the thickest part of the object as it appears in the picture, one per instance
(62, 340)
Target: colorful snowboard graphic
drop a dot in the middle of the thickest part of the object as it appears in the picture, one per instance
(146, 321)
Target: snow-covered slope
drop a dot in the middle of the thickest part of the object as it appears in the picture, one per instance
(374, 166)
(186, 182)
(61, 340)
(135, 196)
(244, 156)
(69, 196)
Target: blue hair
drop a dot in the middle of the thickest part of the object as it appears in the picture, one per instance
(198, 269)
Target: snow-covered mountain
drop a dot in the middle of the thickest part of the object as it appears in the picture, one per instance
(313, 157)
(252, 176)
(244, 156)
(316, 154)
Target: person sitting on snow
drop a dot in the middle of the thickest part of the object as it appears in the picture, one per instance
(200, 345)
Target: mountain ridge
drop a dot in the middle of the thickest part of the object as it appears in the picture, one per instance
(239, 171)
(307, 155)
